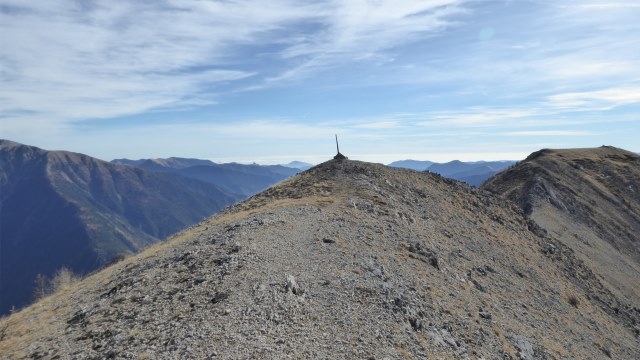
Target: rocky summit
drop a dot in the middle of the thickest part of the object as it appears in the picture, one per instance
(348, 260)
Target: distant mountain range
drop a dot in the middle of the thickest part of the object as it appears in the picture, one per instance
(412, 164)
(60, 208)
(237, 179)
(173, 162)
(474, 173)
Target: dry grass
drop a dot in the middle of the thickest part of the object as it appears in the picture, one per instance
(404, 353)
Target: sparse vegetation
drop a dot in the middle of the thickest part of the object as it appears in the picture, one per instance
(41, 288)
(4, 326)
(61, 279)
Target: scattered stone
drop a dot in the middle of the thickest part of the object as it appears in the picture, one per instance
(525, 349)
(428, 256)
(292, 286)
(484, 314)
(219, 297)
(416, 323)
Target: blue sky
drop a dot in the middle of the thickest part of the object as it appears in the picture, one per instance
(272, 81)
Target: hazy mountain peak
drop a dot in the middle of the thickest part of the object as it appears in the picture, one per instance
(8, 143)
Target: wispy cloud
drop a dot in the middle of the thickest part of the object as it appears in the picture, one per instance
(403, 75)
(605, 99)
(75, 60)
(545, 133)
(629, 4)
(363, 30)
(475, 117)
(389, 124)
(271, 130)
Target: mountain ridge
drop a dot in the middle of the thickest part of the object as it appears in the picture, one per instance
(239, 179)
(588, 198)
(347, 259)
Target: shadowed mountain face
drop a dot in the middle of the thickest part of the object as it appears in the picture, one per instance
(242, 180)
(590, 200)
(66, 209)
(345, 260)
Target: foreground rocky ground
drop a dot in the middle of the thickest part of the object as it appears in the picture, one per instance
(347, 260)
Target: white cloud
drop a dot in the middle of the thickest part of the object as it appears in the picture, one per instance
(361, 28)
(73, 60)
(63, 61)
(389, 124)
(272, 130)
(596, 100)
(629, 4)
(475, 117)
(544, 133)
(362, 31)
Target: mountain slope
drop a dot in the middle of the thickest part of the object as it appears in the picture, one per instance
(65, 209)
(346, 260)
(590, 200)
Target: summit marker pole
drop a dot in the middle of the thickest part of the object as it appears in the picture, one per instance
(338, 155)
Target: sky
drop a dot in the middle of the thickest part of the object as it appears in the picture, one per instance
(273, 81)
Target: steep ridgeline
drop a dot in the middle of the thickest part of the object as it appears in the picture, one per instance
(242, 180)
(590, 200)
(347, 260)
(60, 209)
